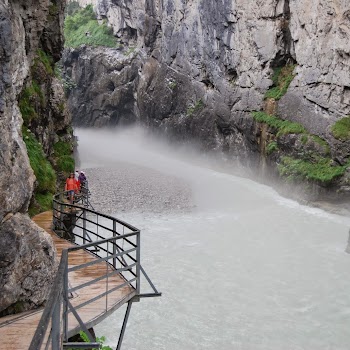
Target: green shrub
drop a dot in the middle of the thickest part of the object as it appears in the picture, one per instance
(30, 97)
(341, 129)
(271, 147)
(63, 155)
(282, 126)
(43, 202)
(281, 78)
(79, 18)
(100, 340)
(83, 28)
(46, 60)
(62, 148)
(65, 164)
(320, 171)
(45, 175)
(323, 143)
(304, 139)
(27, 110)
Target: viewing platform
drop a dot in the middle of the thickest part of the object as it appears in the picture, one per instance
(99, 271)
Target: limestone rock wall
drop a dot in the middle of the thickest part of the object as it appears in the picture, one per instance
(231, 45)
(320, 32)
(27, 255)
(205, 66)
(111, 79)
(27, 263)
(320, 93)
(16, 180)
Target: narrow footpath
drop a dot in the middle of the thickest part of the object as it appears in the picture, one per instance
(16, 331)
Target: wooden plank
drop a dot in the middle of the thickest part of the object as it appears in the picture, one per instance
(16, 331)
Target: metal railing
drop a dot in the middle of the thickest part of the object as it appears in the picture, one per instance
(114, 246)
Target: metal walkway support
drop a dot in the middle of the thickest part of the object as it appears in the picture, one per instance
(126, 317)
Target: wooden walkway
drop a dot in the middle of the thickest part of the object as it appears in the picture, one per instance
(16, 331)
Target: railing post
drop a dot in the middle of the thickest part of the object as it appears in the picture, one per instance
(87, 195)
(107, 277)
(61, 217)
(114, 244)
(65, 301)
(84, 226)
(138, 264)
(55, 324)
(54, 215)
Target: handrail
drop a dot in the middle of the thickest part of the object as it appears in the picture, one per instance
(54, 298)
(55, 199)
(105, 240)
(75, 221)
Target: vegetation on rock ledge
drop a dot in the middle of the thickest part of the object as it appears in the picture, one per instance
(82, 28)
(31, 96)
(341, 129)
(46, 60)
(310, 164)
(44, 173)
(271, 147)
(35, 104)
(321, 170)
(282, 126)
(281, 78)
(63, 156)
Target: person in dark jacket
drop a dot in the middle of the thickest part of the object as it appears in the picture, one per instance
(82, 178)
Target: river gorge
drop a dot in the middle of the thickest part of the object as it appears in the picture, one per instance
(239, 266)
(220, 128)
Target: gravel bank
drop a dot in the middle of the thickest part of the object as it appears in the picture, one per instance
(132, 188)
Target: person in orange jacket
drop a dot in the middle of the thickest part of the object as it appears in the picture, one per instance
(71, 187)
(77, 183)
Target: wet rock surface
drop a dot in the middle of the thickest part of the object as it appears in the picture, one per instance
(109, 80)
(132, 188)
(27, 263)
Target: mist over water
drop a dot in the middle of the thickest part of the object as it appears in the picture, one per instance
(240, 267)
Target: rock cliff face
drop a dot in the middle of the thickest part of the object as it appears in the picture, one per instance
(200, 69)
(28, 30)
(110, 79)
